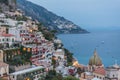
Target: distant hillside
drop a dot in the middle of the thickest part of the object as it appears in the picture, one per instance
(49, 19)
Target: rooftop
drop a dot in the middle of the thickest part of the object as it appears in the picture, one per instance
(59, 50)
(6, 35)
(27, 70)
(100, 71)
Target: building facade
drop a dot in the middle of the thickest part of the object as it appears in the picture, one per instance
(113, 73)
(4, 68)
(7, 39)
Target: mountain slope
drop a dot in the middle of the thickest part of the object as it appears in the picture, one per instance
(49, 19)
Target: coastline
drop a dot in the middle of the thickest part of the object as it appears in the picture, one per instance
(81, 47)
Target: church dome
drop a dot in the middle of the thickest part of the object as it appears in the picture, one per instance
(95, 60)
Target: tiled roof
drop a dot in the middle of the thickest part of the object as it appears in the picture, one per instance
(100, 71)
(7, 35)
(3, 64)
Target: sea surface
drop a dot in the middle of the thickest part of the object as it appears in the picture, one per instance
(82, 46)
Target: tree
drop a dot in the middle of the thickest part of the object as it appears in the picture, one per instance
(52, 75)
(70, 78)
(20, 77)
(48, 34)
(80, 70)
(53, 61)
(69, 57)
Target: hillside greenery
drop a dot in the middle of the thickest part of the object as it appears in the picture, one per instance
(52, 75)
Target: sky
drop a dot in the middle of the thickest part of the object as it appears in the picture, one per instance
(89, 14)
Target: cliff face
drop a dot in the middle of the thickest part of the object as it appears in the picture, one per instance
(49, 19)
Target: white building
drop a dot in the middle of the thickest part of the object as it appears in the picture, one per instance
(113, 73)
(10, 22)
(18, 31)
(7, 39)
(59, 53)
(2, 16)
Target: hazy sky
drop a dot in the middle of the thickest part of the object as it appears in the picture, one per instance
(89, 14)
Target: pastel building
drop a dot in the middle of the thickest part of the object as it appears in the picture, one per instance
(3, 30)
(4, 68)
(2, 16)
(59, 53)
(113, 72)
(2, 27)
(7, 39)
(19, 31)
(99, 73)
(86, 76)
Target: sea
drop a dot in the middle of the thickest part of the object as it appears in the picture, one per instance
(107, 44)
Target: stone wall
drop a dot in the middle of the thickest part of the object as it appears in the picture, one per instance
(20, 67)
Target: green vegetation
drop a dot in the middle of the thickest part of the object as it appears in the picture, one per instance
(49, 35)
(21, 18)
(70, 78)
(0, 10)
(15, 1)
(17, 56)
(69, 56)
(56, 45)
(80, 70)
(52, 75)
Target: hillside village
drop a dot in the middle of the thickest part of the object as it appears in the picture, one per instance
(29, 51)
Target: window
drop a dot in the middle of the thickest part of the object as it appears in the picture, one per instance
(12, 39)
(20, 31)
(113, 75)
(23, 31)
(7, 39)
(3, 40)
